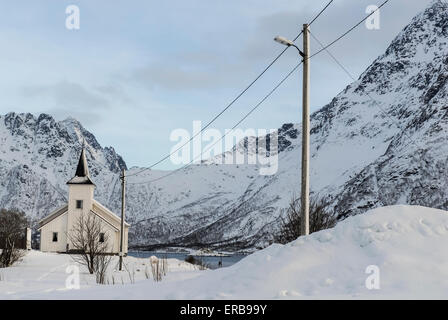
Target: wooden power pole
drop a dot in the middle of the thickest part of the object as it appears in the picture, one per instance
(305, 189)
(123, 198)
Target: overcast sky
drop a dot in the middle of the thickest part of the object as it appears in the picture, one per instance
(138, 69)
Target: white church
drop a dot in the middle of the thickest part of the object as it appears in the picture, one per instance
(55, 227)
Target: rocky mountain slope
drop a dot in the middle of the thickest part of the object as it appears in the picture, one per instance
(401, 102)
(38, 156)
(381, 141)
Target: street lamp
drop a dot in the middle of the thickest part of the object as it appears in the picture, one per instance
(305, 188)
(288, 43)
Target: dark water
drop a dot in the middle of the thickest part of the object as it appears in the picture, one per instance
(211, 261)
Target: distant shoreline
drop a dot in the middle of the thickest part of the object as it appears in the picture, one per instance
(195, 250)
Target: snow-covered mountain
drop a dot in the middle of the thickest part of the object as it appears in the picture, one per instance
(38, 156)
(381, 141)
(398, 111)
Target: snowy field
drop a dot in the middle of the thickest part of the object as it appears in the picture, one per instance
(402, 248)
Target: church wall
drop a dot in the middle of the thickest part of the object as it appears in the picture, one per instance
(78, 192)
(58, 225)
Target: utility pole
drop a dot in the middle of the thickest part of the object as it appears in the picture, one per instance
(305, 190)
(123, 197)
(305, 178)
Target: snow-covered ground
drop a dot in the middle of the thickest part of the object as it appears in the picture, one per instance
(41, 273)
(405, 244)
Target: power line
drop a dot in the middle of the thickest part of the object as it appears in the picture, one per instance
(353, 79)
(216, 117)
(233, 128)
(281, 82)
(398, 125)
(348, 31)
(318, 15)
(232, 102)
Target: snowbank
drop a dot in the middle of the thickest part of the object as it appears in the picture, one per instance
(406, 243)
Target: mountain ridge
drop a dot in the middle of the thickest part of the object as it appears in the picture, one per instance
(381, 141)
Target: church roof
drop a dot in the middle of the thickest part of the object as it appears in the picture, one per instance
(53, 215)
(97, 208)
(82, 171)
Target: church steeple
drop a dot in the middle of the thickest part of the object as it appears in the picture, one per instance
(82, 171)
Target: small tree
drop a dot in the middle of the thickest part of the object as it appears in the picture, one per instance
(101, 266)
(90, 242)
(157, 268)
(291, 221)
(12, 234)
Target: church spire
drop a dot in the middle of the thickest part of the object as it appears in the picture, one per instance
(82, 171)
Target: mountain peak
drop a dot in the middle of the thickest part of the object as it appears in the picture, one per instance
(428, 31)
(415, 59)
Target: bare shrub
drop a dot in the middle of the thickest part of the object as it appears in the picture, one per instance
(130, 271)
(90, 243)
(190, 259)
(159, 268)
(147, 273)
(320, 218)
(12, 231)
(164, 265)
(156, 269)
(101, 266)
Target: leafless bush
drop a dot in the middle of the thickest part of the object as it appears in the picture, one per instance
(159, 268)
(12, 230)
(90, 243)
(156, 269)
(190, 259)
(130, 271)
(147, 272)
(320, 218)
(164, 265)
(101, 266)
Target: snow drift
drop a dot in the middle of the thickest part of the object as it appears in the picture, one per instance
(406, 243)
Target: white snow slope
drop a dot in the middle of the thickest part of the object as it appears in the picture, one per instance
(406, 243)
(381, 141)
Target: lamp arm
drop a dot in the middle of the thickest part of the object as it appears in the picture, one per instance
(300, 51)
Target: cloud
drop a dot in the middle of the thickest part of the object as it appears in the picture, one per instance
(171, 77)
(114, 92)
(67, 98)
(67, 95)
(180, 60)
(361, 45)
(192, 71)
(218, 59)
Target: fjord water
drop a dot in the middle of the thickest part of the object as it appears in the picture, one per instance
(211, 261)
